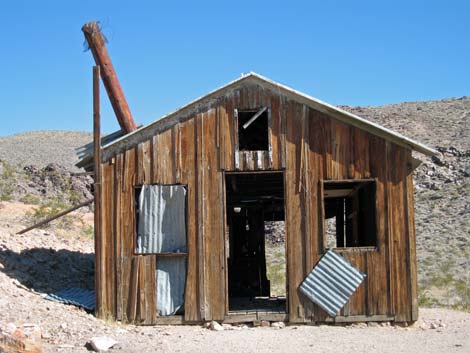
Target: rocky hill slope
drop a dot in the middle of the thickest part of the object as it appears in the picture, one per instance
(41, 148)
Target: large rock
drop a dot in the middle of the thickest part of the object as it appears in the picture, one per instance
(102, 343)
(215, 326)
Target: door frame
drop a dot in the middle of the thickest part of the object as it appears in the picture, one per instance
(227, 240)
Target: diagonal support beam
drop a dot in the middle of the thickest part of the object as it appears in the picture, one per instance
(256, 116)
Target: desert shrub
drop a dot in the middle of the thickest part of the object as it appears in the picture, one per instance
(8, 170)
(6, 181)
(462, 289)
(6, 190)
(30, 199)
(74, 196)
(48, 209)
(89, 231)
(425, 299)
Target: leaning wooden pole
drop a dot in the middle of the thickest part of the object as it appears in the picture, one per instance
(96, 43)
(99, 263)
(58, 215)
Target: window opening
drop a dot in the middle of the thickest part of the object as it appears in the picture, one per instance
(253, 130)
(350, 213)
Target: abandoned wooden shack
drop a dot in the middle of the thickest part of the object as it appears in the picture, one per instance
(184, 202)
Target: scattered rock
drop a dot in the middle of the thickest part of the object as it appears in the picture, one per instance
(215, 326)
(265, 323)
(32, 331)
(102, 343)
(373, 324)
(278, 324)
(10, 328)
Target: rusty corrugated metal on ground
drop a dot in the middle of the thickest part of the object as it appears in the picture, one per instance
(332, 282)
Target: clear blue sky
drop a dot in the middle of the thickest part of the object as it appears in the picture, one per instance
(167, 53)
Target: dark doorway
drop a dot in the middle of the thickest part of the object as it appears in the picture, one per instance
(256, 241)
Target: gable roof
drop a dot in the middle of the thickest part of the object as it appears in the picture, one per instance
(174, 117)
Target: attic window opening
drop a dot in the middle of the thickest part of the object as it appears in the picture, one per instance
(253, 130)
(350, 213)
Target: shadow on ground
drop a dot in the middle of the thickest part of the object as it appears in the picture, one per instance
(48, 270)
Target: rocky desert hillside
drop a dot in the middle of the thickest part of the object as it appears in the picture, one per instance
(37, 180)
(40, 148)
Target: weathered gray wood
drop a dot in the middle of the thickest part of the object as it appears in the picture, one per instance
(362, 318)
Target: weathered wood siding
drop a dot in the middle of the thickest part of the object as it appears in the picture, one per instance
(310, 147)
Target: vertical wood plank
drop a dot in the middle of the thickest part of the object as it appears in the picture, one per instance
(229, 133)
(165, 169)
(127, 227)
(358, 302)
(212, 219)
(283, 118)
(397, 196)
(412, 265)
(147, 265)
(107, 247)
(274, 129)
(294, 222)
(201, 203)
(223, 134)
(189, 177)
(379, 303)
(341, 150)
(118, 233)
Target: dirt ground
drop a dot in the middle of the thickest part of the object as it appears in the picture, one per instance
(42, 261)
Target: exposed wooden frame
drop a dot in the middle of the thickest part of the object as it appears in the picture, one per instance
(346, 193)
(254, 117)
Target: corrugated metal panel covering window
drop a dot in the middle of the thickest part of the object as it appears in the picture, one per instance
(332, 282)
(161, 219)
(171, 281)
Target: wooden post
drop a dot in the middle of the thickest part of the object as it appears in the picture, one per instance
(340, 223)
(99, 263)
